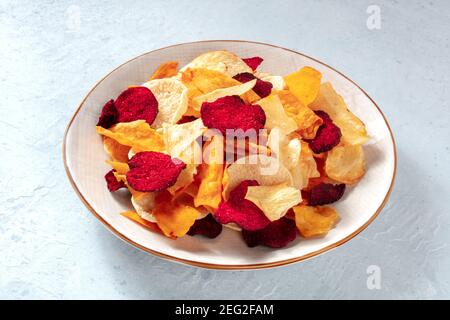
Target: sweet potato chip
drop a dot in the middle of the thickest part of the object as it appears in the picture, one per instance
(276, 115)
(353, 130)
(119, 167)
(136, 218)
(115, 150)
(136, 134)
(274, 200)
(304, 84)
(174, 219)
(345, 163)
(315, 221)
(307, 121)
(165, 70)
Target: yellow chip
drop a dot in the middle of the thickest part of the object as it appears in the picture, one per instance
(304, 84)
(136, 134)
(165, 70)
(201, 81)
(315, 221)
(307, 121)
(285, 148)
(276, 115)
(353, 130)
(120, 167)
(274, 200)
(345, 163)
(173, 218)
(136, 218)
(115, 150)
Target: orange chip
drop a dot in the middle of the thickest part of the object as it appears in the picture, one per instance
(315, 221)
(120, 167)
(136, 218)
(115, 150)
(307, 121)
(174, 218)
(304, 84)
(345, 164)
(165, 70)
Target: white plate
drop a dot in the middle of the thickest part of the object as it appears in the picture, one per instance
(84, 160)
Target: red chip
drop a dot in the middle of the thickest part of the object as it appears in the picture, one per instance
(136, 103)
(153, 171)
(261, 88)
(185, 119)
(231, 112)
(108, 116)
(112, 183)
(240, 210)
(323, 193)
(208, 227)
(253, 62)
(328, 135)
(276, 235)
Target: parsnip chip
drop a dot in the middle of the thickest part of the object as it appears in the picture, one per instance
(174, 219)
(275, 114)
(201, 81)
(274, 200)
(345, 163)
(276, 81)
(315, 221)
(221, 61)
(144, 203)
(120, 167)
(136, 218)
(307, 121)
(172, 97)
(219, 93)
(285, 148)
(115, 150)
(353, 130)
(136, 134)
(265, 170)
(165, 70)
(304, 84)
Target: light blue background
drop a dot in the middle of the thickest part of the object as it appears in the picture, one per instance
(52, 247)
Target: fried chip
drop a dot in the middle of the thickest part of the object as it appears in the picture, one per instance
(172, 97)
(306, 168)
(119, 167)
(277, 234)
(276, 115)
(352, 128)
(304, 84)
(265, 170)
(274, 200)
(136, 218)
(307, 121)
(276, 81)
(136, 134)
(315, 221)
(144, 203)
(112, 183)
(345, 163)
(221, 61)
(165, 70)
(201, 81)
(285, 148)
(115, 150)
(173, 218)
(207, 227)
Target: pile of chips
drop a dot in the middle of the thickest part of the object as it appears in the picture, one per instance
(169, 145)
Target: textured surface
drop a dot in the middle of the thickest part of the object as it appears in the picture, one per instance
(52, 247)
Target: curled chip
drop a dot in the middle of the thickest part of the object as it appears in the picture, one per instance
(306, 168)
(143, 203)
(261, 88)
(165, 70)
(241, 211)
(112, 183)
(136, 218)
(353, 129)
(307, 121)
(304, 84)
(153, 171)
(345, 164)
(276, 235)
(232, 113)
(314, 221)
(207, 227)
(276, 115)
(253, 62)
(324, 193)
(108, 116)
(186, 119)
(327, 137)
(136, 103)
(115, 150)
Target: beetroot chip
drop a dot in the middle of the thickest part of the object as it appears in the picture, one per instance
(261, 88)
(276, 235)
(112, 183)
(108, 116)
(185, 119)
(153, 171)
(328, 135)
(136, 103)
(208, 227)
(324, 193)
(231, 112)
(240, 210)
(253, 62)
